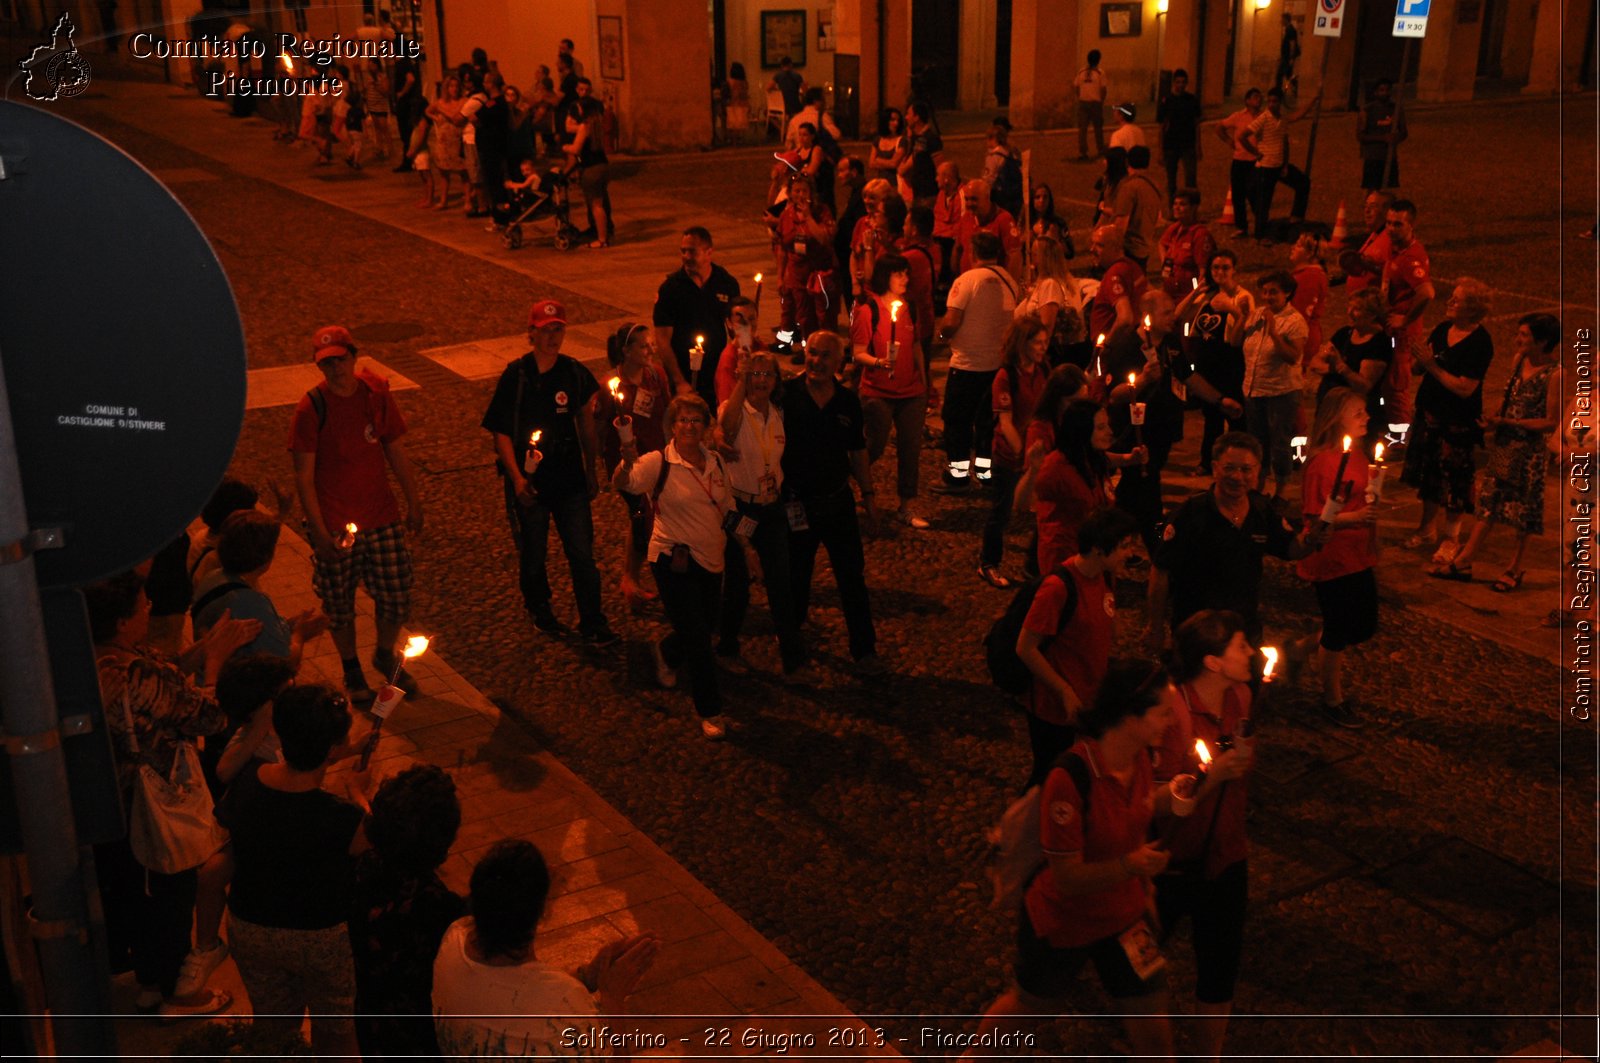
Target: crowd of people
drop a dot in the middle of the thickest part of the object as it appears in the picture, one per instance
(1062, 401)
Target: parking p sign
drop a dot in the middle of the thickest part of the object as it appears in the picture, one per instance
(1330, 18)
(1411, 18)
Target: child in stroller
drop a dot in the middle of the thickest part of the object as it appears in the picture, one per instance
(533, 197)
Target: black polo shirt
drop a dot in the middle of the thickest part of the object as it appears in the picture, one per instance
(550, 404)
(816, 458)
(1210, 564)
(692, 310)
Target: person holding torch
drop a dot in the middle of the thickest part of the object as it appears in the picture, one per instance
(542, 422)
(894, 376)
(631, 408)
(1343, 568)
(1207, 878)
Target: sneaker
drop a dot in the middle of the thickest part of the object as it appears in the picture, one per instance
(1342, 715)
(206, 1002)
(713, 727)
(871, 667)
(911, 520)
(385, 663)
(548, 623)
(600, 637)
(198, 967)
(664, 674)
(355, 685)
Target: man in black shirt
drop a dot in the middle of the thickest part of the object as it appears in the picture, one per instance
(548, 393)
(827, 446)
(492, 126)
(1179, 115)
(586, 153)
(691, 312)
(1211, 549)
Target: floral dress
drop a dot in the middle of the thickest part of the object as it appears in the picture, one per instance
(1514, 472)
(447, 146)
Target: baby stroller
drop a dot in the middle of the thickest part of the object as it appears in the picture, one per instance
(549, 200)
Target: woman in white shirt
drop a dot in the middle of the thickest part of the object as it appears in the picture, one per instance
(688, 488)
(1274, 339)
(752, 428)
(493, 998)
(1054, 298)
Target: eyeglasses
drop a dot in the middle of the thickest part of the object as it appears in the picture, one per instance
(690, 419)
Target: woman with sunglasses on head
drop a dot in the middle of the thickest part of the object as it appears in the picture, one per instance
(687, 487)
(1206, 879)
(1090, 902)
(641, 394)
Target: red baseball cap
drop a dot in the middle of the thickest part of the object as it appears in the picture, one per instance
(331, 341)
(546, 312)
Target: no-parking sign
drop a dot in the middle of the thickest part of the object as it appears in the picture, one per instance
(1330, 18)
(1411, 18)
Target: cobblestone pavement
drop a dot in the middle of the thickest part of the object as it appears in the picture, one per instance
(1424, 887)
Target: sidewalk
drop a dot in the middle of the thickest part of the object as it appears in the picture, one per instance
(608, 880)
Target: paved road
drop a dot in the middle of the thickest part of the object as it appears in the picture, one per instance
(1409, 881)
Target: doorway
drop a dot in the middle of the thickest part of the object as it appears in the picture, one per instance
(1378, 53)
(935, 51)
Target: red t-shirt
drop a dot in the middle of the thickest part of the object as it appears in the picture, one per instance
(947, 214)
(1123, 280)
(925, 262)
(1080, 645)
(1187, 836)
(1348, 549)
(1311, 298)
(1376, 249)
(1029, 386)
(1184, 252)
(727, 371)
(805, 251)
(1039, 432)
(1402, 276)
(905, 380)
(1061, 499)
(646, 402)
(1002, 224)
(352, 476)
(1118, 818)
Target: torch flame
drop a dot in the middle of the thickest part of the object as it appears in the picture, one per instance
(1133, 379)
(533, 440)
(699, 341)
(758, 278)
(894, 310)
(1347, 444)
(416, 646)
(1202, 751)
(1101, 340)
(615, 384)
(1271, 654)
(1377, 452)
(351, 529)
(1147, 321)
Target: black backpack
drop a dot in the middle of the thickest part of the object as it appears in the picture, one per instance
(1007, 670)
(1007, 189)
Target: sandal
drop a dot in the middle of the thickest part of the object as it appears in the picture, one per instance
(991, 575)
(1448, 549)
(1415, 540)
(1449, 571)
(1509, 581)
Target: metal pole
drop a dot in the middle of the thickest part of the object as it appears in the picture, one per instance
(1316, 112)
(1399, 104)
(60, 915)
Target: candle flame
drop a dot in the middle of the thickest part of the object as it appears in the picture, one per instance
(416, 646)
(1377, 452)
(615, 384)
(351, 528)
(533, 440)
(288, 64)
(1347, 444)
(1147, 321)
(1186, 328)
(894, 310)
(1101, 340)
(1271, 654)
(1133, 379)
(758, 278)
(1202, 751)
(699, 341)
(1194, 282)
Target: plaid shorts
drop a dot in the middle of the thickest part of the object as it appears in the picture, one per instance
(381, 559)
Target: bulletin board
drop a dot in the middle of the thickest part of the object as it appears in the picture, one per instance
(1121, 20)
(783, 33)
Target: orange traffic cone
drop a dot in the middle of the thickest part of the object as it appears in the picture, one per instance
(1340, 230)
(1227, 210)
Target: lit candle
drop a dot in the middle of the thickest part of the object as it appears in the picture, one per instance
(1185, 330)
(697, 354)
(1099, 343)
(758, 295)
(391, 695)
(894, 321)
(1147, 321)
(1271, 654)
(1376, 475)
(348, 539)
(1202, 753)
(622, 422)
(1344, 460)
(530, 462)
(1194, 282)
